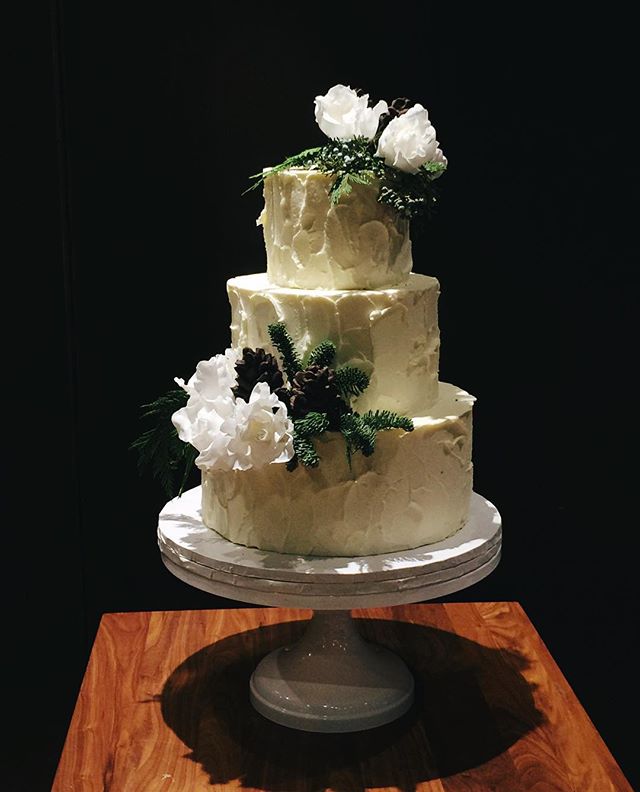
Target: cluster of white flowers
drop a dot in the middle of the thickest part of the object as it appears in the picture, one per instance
(230, 433)
(407, 142)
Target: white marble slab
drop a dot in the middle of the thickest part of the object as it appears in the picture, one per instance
(183, 538)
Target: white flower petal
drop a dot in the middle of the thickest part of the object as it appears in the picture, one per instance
(409, 140)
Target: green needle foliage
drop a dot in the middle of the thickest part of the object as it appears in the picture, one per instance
(312, 425)
(386, 419)
(412, 195)
(283, 342)
(358, 435)
(351, 382)
(359, 431)
(305, 452)
(322, 355)
(160, 450)
(304, 430)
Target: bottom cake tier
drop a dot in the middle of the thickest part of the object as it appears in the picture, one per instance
(414, 490)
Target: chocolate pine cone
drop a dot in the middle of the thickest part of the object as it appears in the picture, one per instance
(315, 390)
(255, 366)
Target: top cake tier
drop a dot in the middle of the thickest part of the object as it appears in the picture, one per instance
(311, 243)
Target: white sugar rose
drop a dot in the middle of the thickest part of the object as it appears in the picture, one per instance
(409, 141)
(213, 377)
(343, 115)
(260, 430)
(229, 433)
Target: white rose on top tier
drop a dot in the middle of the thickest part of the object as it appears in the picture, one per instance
(230, 433)
(409, 141)
(343, 115)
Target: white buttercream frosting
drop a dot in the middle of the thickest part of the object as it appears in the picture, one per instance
(413, 490)
(357, 243)
(392, 334)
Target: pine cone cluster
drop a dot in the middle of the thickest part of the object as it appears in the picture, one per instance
(398, 107)
(315, 390)
(255, 366)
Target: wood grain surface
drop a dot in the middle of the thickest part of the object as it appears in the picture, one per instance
(164, 706)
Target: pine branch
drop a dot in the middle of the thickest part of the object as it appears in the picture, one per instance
(305, 451)
(283, 342)
(313, 424)
(322, 355)
(160, 450)
(351, 381)
(358, 435)
(386, 419)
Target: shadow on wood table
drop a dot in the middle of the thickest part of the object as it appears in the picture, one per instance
(472, 703)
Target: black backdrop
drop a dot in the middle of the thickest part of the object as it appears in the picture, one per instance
(134, 131)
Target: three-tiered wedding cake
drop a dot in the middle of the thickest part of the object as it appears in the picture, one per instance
(350, 446)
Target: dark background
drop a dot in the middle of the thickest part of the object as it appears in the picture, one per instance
(134, 129)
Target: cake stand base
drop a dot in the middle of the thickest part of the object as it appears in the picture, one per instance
(331, 680)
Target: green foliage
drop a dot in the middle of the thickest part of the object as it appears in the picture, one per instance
(312, 425)
(305, 452)
(322, 355)
(160, 450)
(359, 431)
(351, 381)
(343, 184)
(412, 195)
(305, 159)
(283, 342)
(357, 434)
(304, 429)
(386, 419)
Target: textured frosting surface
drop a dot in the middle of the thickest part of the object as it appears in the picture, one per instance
(413, 490)
(392, 334)
(358, 243)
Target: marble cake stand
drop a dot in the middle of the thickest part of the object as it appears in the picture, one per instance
(331, 680)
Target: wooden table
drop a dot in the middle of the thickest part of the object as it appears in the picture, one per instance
(164, 705)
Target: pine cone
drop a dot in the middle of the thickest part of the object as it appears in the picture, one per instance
(255, 366)
(397, 108)
(315, 390)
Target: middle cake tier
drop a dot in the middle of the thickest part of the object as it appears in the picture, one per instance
(392, 333)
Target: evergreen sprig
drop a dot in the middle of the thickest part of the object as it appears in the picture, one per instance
(305, 159)
(359, 431)
(411, 195)
(351, 381)
(322, 355)
(387, 419)
(283, 342)
(305, 452)
(312, 425)
(358, 435)
(160, 450)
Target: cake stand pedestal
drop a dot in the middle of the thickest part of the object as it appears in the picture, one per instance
(331, 680)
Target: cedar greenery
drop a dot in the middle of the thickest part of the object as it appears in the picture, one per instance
(160, 450)
(412, 195)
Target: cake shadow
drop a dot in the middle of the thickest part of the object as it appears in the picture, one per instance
(472, 702)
